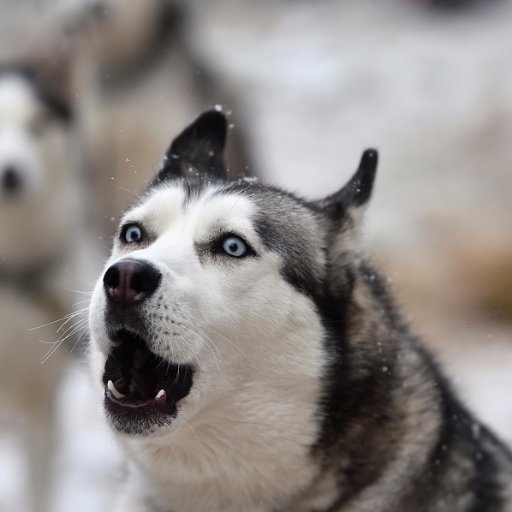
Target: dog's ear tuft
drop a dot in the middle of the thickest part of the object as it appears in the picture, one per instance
(357, 190)
(198, 149)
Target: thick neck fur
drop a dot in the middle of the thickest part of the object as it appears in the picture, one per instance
(383, 444)
(399, 433)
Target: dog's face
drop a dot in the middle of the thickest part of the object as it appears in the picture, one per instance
(34, 161)
(27, 118)
(212, 293)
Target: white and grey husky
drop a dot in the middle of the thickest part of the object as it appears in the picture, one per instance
(251, 359)
(40, 221)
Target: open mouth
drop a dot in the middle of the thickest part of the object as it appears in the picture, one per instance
(140, 385)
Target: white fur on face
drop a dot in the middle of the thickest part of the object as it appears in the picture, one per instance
(36, 221)
(254, 342)
(19, 111)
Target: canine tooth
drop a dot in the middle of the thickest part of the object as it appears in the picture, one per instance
(114, 391)
(160, 394)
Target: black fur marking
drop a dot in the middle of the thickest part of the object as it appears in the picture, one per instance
(357, 191)
(362, 423)
(285, 237)
(198, 149)
(460, 432)
(488, 491)
(355, 389)
(379, 289)
(56, 105)
(360, 187)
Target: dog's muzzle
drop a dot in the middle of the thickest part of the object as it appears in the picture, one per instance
(141, 387)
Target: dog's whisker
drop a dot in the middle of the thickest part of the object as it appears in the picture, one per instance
(194, 432)
(68, 332)
(71, 317)
(209, 340)
(183, 338)
(80, 323)
(208, 343)
(79, 339)
(84, 301)
(82, 292)
(234, 345)
(60, 341)
(64, 319)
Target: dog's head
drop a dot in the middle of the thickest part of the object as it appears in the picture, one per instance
(29, 113)
(35, 166)
(217, 292)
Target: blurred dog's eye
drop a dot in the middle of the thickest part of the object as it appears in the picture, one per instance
(234, 246)
(131, 234)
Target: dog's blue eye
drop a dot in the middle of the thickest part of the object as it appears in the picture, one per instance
(131, 234)
(234, 246)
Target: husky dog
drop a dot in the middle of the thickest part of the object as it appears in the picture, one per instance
(251, 359)
(39, 239)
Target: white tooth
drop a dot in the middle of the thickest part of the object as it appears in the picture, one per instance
(114, 391)
(160, 394)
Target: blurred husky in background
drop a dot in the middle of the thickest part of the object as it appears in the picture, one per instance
(128, 60)
(125, 61)
(43, 258)
(250, 358)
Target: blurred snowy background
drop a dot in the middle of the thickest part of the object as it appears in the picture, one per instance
(310, 84)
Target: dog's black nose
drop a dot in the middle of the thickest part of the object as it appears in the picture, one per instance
(130, 282)
(11, 180)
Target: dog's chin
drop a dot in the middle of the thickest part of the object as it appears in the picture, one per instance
(142, 389)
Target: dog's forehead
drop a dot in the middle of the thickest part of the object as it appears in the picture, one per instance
(178, 203)
(17, 99)
(275, 216)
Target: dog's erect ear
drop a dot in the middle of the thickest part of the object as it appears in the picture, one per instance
(198, 149)
(356, 192)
